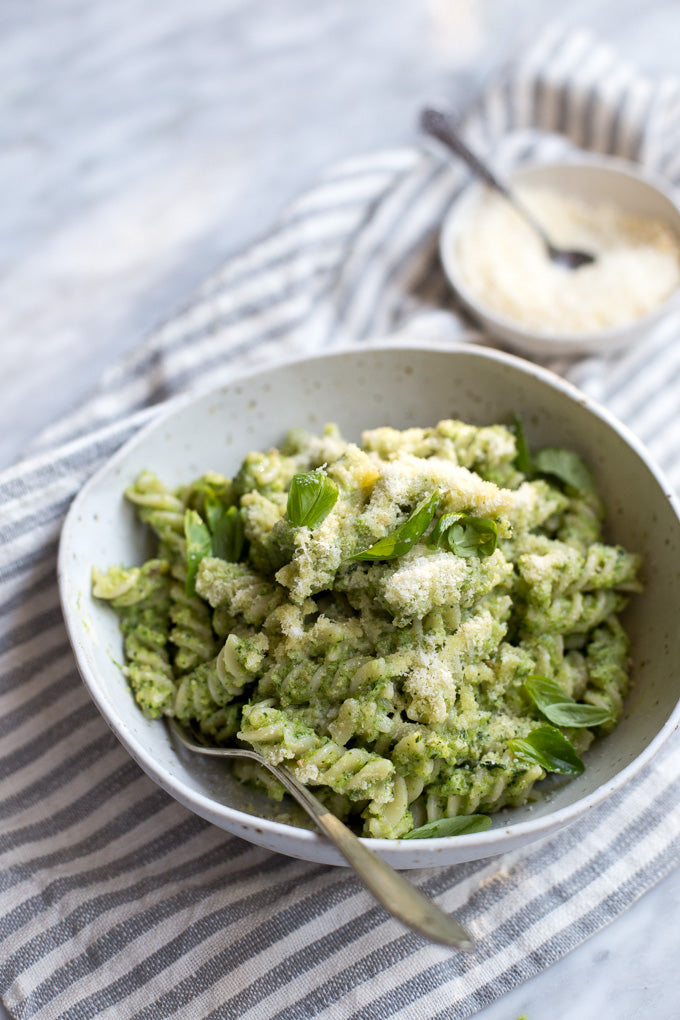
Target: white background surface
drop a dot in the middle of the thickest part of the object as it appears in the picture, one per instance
(143, 141)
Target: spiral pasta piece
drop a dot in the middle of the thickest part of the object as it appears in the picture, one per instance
(191, 634)
(297, 680)
(216, 683)
(489, 450)
(366, 717)
(266, 473)
(392, 819)
(141, 597)
(607, 666)
(481, 788)
(573, 614)
(239, 589)
(608, 566)
(316, 760)
(158, 507)
(563, 569)
(581, 523)
(194, 703)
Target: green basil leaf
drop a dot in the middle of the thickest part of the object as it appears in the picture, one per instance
(405, 536)
(544, 691)
(567, 467)
(465, 535)
(561, 709)
(564, 465)
(199, 544)
(474, 536)
(311, 498)
(438, 535)
(523, 461)
(458, 826)
(226, 527)
(550, 749)
(577, 715)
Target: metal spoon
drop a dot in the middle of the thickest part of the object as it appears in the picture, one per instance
(437, 124)
(391, 889)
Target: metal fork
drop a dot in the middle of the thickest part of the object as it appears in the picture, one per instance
(402, 899)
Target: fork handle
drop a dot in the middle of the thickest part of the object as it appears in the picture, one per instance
(399, 896)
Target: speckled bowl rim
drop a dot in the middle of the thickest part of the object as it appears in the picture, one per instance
(473, 845)
(546, 342)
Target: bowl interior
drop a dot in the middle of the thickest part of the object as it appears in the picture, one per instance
(363, 389)
(593, 181)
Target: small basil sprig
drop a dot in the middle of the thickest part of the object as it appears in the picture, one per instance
(199, 544)
(405, 536)
(226, 528)
(465, 535)
(523, 460)
(311, 498)
(547, 747)
(458, 826)
(561, 709)
(564, 465)
(567, 467)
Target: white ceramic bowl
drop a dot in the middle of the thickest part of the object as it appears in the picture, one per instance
(364, 388)
(593, 180)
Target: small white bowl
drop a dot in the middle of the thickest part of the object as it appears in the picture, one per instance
(359, 389)
(593, 180)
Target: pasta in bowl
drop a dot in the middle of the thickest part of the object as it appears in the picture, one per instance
(422, 620)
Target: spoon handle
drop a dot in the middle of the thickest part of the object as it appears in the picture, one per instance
(437, 124)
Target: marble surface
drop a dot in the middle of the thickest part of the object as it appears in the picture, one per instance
(144, 141)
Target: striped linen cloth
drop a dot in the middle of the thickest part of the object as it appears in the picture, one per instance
(116, 901)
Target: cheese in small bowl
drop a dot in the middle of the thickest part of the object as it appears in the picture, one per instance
(502, 271)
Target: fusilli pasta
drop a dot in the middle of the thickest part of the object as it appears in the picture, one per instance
(379, 622)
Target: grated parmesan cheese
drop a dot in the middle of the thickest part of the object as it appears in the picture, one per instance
(424, 581)
(413, 477)
(504, 263)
